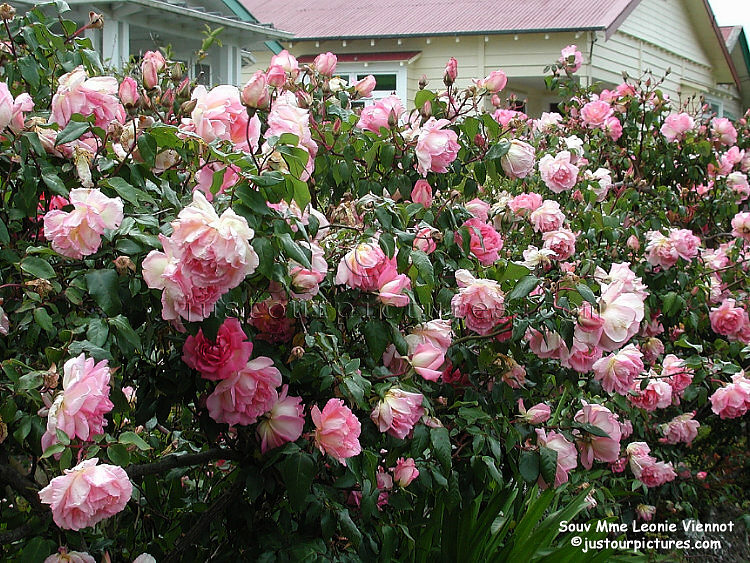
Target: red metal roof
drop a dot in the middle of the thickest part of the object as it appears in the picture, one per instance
(365, 57)
(325, 19)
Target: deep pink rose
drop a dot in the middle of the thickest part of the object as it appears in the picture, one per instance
(222, 358)
(728, 319)
(451, 71)
(270, 318)
(656, 395)
(398, 412)
(247, 394)
(676, 125)
(485, 242)
(384, 113)
(336, 430)
(677, 374)
(87, 494)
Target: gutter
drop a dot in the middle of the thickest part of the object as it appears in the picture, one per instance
(450, 33)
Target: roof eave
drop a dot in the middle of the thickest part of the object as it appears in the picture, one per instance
(447, 34)
(621, 17)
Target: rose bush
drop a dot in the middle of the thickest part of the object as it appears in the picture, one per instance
(298, 330)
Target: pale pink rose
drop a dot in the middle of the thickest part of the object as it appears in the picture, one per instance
(365, 86)
(652, 349)
(422, 193)
(681, 428)
(582, 356)
(77, 233)
(622, 312)
(220, 359)
(613, 128)
(728, 320)
(590, 325)
(515, 375)
(305, 281)
(336, 430)
(637, 449)
(283, 423)
(685, 243)
(79, 409)
(534, 257)
(65, 556)
(562, 242)
(547, 217)
(87, 494)
(505, 116)
(325, 63)
(595, 114)
(732, 400)
(676, 125)
(493, 83)
(437, 332)
(485, 242)
(4, 322)
(738, 182)
(451, 71)
(626, 428)
(247, 394)
(594, 447)
(286, 61)
(365, 266)
(427, 359)
(392, 291)
(624, 279)
(405, 471)
(76, 93)
(145, 558)
(152, 63)
(660, 250)
(548, 122)
(286, 117)
(566, 455)
(293, 215)
(437, 148)
(617, 372)
(602, 179)
(571, 58)
(723, 131)
(537, 414)
(255, 93)
(230, 177)
(741, 225)
(425, 241)
(558, 173)
(677, 374)
(270, 318)
(398, 412)
(480, 303)
(479, 209)
(276, 76)
(12, 111)
(128, 92)
(548, 344)
(656, 395)
(645, 512)
(219, 114)
(384, 113)
(525, 204)
(6, 106)
(655, 473)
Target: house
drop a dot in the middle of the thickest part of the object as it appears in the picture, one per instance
(399, 41)
(736, 41)
(132, 27)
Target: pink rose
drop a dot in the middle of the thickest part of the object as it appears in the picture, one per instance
(537, 414)
(305, 280)
(286, 61)
(741, 225)
(128, 92)
(595, 114)
(230, 177)
(436, 332)
(283, 423)
(276, 76)
(547, 344)
(151, 64)
(398, 412)
(479, 209)
(738, 182)
(392, 291)
(505, 116)
(65, 556)
(436, 147)
(405, 471)
(77, 233)
(485, 242)
(582, 356)
(365, 266)
(493, 83)
(732, 400)
(480, 303)
(270, 318)
(76, 93)
(656, 395)
(598, 447)
(427, 359)
(590, 325)
(255, 93)
(728, 320)
(287, 117)
(681, 428)
(451, 71)
(617, 372)
(566, 455)
(652, 349)
(622, 312)
(557, 171)
(676, 125)
(222, 358)
(425, 241)
(336, 430)
(325, 63)
(646, 468)
(613, 128)
(247, 394)
(723, 131)
(87, 494)
(525, 204)
(562, 242)
(11, 111)
(79, 410)
(382, 114)
(422, 193)
(571, 58)
(685, 243)
(677, 374)
(365, 86)
(547, 217)
(645, 512)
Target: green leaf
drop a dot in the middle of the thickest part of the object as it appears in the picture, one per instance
(103, 286)
(133, 438)
(388, 244)
(376, 335)
(29, 70)
(118, 454)
(548, 464)
(52, 450)
(528, 465)
(72, 131)
(4, 235)
(524, 286)
(147, 148)
(499, 149)
(349, 528)
(422, 262)
(31, 380)
(301, 193)
(266, 256)
(293, 250)
(53, 182)
(297, 471)
(586, 293)
(42, 318)
(591, 429)
(37, 267)
(37, 550)
(441, 446)
(123, 328)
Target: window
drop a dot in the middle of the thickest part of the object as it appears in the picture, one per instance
(202, 74)
(390, 78)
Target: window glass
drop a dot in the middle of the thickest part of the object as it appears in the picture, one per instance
(385, 82)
